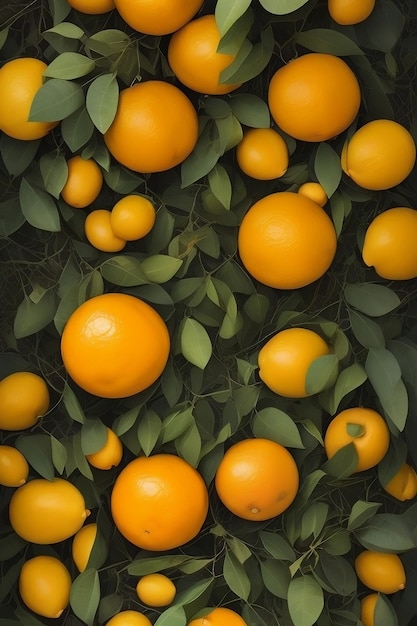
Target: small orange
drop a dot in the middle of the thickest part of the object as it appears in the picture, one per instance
(380, 571)
(84, 182)
(129, 618)
(20, 80)
(403, 485)
(92, 7)
(158, 117)
(349, 12)
(314, 97)
(195, 60)
(82, 545)
(98, 230)
(159, 502)
(156, 590)
(24, 398)
(14, 469)
(314, 191)
(157, 17)
(115, 345)
(45, 585)
(262, 154)
(257, 479)
(132, 217)
(286, 240)
(109, 455)
(365, 428)
(285, 359)
(368, 604)
(220, 616)
(389, 244)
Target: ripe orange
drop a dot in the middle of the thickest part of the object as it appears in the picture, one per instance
(368, 604)
(20, 79)
(159, 502)
(109, 455)
(220, 616)
(389, 244)
(262, 154)
(285, 359)
(98, 230)
(44, 585)
(380, 571)
(156, 590)
(363, 427)
(379, 155)
(129, 618)
(349, 12)
(157, 17)
(24, 398)
(257, 479)
(194, 59)
(47, 511)
(314, 191)
(132, 217)
(158, 117)
(92, 7)
(286, 240)
(14, 468)
(403, 485)
(115, 345)
(82, 545)
(314, 97)
(84, 182)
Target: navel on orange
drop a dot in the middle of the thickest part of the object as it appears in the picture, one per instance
(157, 17)
(262, 154)
(159, 502)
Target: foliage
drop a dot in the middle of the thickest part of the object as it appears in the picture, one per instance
(296, 569)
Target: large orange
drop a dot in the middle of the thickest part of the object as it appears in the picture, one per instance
(257, 479)
(314, 97)
(157, 17)
(286, 240)
(115, 345)
(159, 502)
(20, 79)
(365, 428)
(194, 59)
(158, 117)
(220, 616)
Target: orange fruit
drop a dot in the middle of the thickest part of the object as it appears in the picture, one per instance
(157, 17)
(47, 511)
(159, 502)
(195, 60)
(403, 485)
(379, 155)
(262, 154)
(109, 455)
(389, 244)
(159, 118)
(314, 191)
(380, 571)
(92, 7)
(368, 604)
(349, 12)
(156, 590)
(257, 479)
(82, 545)
(115, 345)
(314, 97)
(84, 182)
(14, 468)
(132, 217)
(220, 616)
(98, 230)
(285, 359)
(24, 398)
(44, 585)
(365, 428)
(20, 79)
(286, 240)
(129, 618)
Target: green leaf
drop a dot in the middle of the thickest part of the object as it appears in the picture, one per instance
(160, 268)
(66, 29)
(38, 453)
(141, 567)
(384, 374)
(77, 129)
(32, 317)
(101, 101)
(337, 573)
(343, 463)
(188, 445)
(372, 299)
(38, 207)
(250, 110)
(276, 577)
(17, 155)
(55, 100)
(69, 65)
(54, 171)
(322, 373)
(305, 600)
(72, 405)
(11, 217)
(384, 611)
(361, 512)
(328, 41)
(173, 616)
(386, 532)
(277, 546)
(124, 270)
(220, 185)
(235, 576)
(348, 380)
(149, 429)
(195, 343)
(383, 28)
(274, 424)
(313, 520)
(59, 454)
(366, 331)
(85, 595)
(250, 60)
(93, 436)
(10, 545)
(176, 423)
(227, 13)
(327, 168)
(284, 7)
(193, 591)
(202, 159)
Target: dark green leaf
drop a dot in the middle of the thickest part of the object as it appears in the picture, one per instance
(372, 299)
(227, 14)
(327, 168)
(149, 429)
(93, 436)
(276, 577)
(38, 207)
(285, 7)
(313, 520)
(328, 41)
(85, 595)
(11, 217)
(385, 612)
(32, 317)
(274, 424)
(383, 28)
(72, 405)
(386, 532)
(124, 270)
(366, 331)
(54, 171)
(17, 155)
(173, 616)
(38, 453)
(55, 100)
(77, 129)
(343, 463)
(361, 512)
(159, 268)
(384, 374)
(322, 373)
(235, 576)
